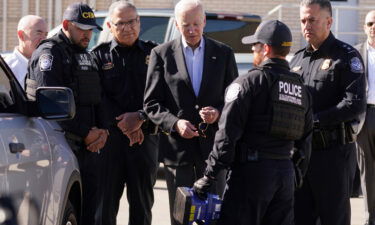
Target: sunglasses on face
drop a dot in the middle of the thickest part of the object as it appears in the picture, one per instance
(202, 127)
(369, 24)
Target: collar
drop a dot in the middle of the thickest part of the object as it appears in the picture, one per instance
(324, 49)
(137, 43)
(185, 45)
(20, 56)
(275, 62)
(370, 48)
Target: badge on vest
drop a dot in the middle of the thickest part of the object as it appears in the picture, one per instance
(232, 93)
(108, 66)
(326, 64)
(45, 62)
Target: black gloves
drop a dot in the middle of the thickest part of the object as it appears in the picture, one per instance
(202, 186)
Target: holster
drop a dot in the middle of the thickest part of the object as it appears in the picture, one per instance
(297, 159)
(325, 138)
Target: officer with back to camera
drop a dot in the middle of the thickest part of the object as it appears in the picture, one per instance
(266, 122)
(63, 60)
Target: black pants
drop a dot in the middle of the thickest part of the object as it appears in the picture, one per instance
(134, 166)
(325, 194)
(366, 158)
(259, 193)
(91, 190)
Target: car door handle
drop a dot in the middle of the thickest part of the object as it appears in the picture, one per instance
(16, 147)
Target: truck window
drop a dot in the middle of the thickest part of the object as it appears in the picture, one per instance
(153, 28)
(5, 99)
(230, 32)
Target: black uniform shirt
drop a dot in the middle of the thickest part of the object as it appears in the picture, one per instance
(123, 73)
(247, 97)
(334, 75)
(50, 66)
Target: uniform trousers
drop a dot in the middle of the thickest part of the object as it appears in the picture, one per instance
(326, 189)
(90, 176)
(259, 193)
(135, 167)
(366, 162)
(185, 176)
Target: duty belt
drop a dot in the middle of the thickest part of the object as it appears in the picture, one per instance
(254, 155)
(326, 139)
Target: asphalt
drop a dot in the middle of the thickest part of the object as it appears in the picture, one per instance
(161, 209)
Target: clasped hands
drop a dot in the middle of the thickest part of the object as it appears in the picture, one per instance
(130, 125)
(187, 130)
(95, 139)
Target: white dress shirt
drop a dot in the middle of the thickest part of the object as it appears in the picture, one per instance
(18, 64)
(371, 74)
(194, 62)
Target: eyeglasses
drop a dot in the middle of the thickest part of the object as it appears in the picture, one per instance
(369, 24)
(130, 23)
(202, 127)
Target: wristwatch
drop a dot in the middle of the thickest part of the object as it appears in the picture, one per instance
(142, 115)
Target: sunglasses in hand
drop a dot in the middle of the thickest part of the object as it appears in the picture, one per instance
(202, 127)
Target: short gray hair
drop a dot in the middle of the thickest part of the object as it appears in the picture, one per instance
(122, 4)
(323, 4)
(185, 4)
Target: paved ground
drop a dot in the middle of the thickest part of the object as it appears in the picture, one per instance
(161, 211)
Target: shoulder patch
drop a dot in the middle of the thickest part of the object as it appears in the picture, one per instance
(45, 62)
(356, 65)
(232, 92)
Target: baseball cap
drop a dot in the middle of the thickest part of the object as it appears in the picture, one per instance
(81, 15)
(273, 32)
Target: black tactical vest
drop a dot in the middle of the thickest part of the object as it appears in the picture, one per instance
(286, 109)
(80, 74)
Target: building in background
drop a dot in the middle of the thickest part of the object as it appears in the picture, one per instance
(348, 14)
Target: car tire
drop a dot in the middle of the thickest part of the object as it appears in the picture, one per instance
(70, 215)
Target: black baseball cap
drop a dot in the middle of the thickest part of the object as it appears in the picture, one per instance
(81, 15)
(273, 32)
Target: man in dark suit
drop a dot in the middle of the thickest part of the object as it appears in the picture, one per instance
(366, 137)
(184, 95)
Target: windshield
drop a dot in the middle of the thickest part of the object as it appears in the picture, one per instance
(230, 32)
(154, 28)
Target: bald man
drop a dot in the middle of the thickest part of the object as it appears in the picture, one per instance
(31, 31)
(366, 137)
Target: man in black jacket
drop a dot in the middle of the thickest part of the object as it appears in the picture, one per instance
(130, 156)
(184, 95)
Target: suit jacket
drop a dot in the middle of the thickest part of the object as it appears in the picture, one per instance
(362, 49)
(169, 96)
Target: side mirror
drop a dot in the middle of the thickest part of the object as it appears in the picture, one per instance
(55, 103)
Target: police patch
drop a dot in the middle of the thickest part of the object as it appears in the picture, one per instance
(232, 92)
(356, 65)
(45, 62)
